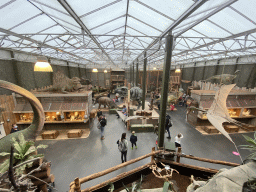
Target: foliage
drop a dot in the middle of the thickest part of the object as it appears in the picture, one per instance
(111, 188)
(166, 186)
(251, 147)
(24, 150)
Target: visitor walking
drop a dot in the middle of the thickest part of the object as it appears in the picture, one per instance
(168, 124)
(14, 128)
(123, 147)
(133, 140)
(178, 140)
(103, 123)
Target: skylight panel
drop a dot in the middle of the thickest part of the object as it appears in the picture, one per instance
(232, 21)
(246, 7)
(104, 15)
(42, 4)
(107, 27)
(211, 30)
(15, 13)
(35, 25)
(142, 27)
(171, 8)
(148, 16)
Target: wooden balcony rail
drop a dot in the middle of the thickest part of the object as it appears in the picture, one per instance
(75, 186)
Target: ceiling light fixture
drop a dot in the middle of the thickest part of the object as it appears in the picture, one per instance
(95, 70)
(105, 71)
(42, 65)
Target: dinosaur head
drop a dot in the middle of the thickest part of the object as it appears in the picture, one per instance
(76, 83)
(237, 72)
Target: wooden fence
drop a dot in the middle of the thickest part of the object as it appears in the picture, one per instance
(6, 115)
(75, 186)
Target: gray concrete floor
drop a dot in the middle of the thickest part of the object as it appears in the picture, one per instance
(82, 157)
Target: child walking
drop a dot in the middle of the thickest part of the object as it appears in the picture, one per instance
(178, 140)
(133, 140)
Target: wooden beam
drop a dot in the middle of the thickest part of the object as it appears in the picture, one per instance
(118, 177)
(190, 166)
(99, 174)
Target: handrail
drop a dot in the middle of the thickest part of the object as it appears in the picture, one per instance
(75, 186)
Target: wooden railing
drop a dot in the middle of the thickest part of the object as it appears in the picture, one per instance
(75, 186)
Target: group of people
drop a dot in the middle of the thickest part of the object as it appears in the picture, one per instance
(123, 145)
(168, 124)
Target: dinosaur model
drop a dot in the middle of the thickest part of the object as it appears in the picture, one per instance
(136, 94)
(63, 84)
(37, 124)
(106, 101)
(224, 78)
(123, 91)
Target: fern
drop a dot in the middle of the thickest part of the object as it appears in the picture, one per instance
(251, 147)
(24, 150)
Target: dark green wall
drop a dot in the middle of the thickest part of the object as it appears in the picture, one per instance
(6, 74)
(25, 75)
(209, 71)
(22, 74)
(198, 73)
(74, 72)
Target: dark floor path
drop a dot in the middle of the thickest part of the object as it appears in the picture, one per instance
(82, 157)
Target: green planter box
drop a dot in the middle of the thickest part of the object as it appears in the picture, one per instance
(113, 111)
(138, 128)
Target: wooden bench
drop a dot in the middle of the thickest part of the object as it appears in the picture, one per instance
(210, 129)
(231, 128)
(138, 128)
(53, 134)
(75, 133)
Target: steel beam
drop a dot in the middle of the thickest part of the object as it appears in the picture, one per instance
(67, 7)
(38, 43)
(144, 81)
(207, 16)
(137, 73)
(185, 15)
(165, 88)
(133, 82)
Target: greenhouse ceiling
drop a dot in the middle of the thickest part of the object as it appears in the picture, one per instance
(118, 33)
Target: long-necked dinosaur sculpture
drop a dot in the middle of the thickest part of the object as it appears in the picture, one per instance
(37, 124)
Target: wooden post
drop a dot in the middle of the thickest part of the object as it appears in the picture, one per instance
(77, 185)
(129, 95)
(152, 157)
(178, 155)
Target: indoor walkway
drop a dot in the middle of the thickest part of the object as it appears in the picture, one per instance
(82, 157)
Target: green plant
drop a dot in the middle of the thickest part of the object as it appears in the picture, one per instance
(111, 188)
(135, 185)
(24, 150)
(251, 147)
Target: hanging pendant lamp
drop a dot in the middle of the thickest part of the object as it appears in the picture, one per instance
(42, 65)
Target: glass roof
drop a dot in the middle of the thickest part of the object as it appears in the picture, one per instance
(117, 32)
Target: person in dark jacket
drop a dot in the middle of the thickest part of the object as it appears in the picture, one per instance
(167, 128)
(14, 128)
(133, 140)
